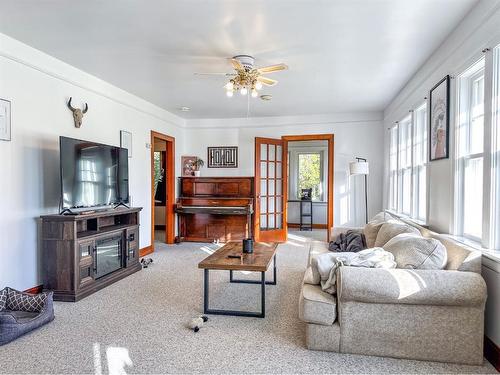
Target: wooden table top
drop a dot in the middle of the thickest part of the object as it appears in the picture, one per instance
(258, 261)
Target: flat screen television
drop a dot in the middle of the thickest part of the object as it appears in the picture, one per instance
(92, 174)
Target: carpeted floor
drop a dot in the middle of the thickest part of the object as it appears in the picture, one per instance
(141, 322)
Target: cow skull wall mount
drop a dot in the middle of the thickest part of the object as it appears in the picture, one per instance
(77, 113)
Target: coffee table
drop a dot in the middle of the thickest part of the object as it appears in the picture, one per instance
(258, 261)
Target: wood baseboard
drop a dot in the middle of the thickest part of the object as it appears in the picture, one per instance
(315, 226)
(35, 290)
(146, 250)
(492, 353)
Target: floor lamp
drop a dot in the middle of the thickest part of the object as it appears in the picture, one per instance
(360, 166)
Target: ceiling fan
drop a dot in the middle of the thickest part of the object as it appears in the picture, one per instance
(247, 77)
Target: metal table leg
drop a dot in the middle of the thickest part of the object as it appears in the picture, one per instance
(208, 310)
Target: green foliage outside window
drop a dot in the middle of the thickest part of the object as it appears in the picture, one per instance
(310, 174)
(158, 170)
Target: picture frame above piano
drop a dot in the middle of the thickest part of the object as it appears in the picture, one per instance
(222, 157)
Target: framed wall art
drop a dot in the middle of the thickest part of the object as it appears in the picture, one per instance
(439, 120)
(5, 125)
(223, 157)
(187, 165)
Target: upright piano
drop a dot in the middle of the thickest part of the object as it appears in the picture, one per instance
(215, 208)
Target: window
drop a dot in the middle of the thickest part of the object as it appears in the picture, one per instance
(310, 174)
(470, 152)
(393, 169)
(495, 152)
(419, 171)
(407, 165)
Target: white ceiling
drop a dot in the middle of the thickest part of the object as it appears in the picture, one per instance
(344, 55)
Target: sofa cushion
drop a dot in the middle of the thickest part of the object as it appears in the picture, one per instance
(316, 306)
(3, 299)
(416, 252)
(19, 301)
(391, 229)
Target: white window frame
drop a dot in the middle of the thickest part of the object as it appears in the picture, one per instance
(396, 173)
(323, 181)
(486, 240)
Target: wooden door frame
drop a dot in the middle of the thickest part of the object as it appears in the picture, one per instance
(170, 191)
(312, 137)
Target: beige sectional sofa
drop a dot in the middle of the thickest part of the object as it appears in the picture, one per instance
(435, 315)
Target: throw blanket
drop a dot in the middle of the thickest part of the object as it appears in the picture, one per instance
(351, 241)
(324, 266)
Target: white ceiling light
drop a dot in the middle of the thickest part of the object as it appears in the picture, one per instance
(185, 109)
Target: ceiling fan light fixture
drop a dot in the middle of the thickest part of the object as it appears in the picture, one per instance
(243, 91)
(254, 93)
(258, 85)
(229, 93)
(230, 86)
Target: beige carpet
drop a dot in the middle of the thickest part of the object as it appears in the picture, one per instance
(139, 325)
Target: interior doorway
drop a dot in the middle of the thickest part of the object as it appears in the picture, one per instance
(273, 212)
(309, 161)
(162, 190)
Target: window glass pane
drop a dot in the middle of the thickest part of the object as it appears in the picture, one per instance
(271, 187)
(279, 168)
(279, 153)
(279, 221)
(279, 184)
(263, 152)
(473, 197)
(271, 221)
(272, 151)
(263, 205)
(271, 204)
(309, 174)
(279, 201)
(263, 221)
(263, 169)
(271, 170)
(263, 187)
(477, 116)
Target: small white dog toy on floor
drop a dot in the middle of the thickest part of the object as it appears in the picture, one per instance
(146, 262)
(196, 323)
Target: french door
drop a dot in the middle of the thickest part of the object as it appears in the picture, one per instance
(270, 205)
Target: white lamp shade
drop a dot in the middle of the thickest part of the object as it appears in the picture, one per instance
(358, 167)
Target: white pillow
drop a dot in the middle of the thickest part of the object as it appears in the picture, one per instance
(416, 252)
(391, 229)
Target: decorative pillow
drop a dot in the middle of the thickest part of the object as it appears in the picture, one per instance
(370, 231)
(417, 252)
(19, 301)
(3, 299)
(391, 229)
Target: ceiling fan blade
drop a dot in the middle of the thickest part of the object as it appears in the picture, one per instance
(215, 74)
(267, 81)
(272, 68)
(237, 65)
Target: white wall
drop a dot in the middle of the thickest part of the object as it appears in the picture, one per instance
(355, 135)
(477, 31)
(38, 87)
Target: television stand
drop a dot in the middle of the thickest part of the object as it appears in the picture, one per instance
(83, 253)
(120, 204)
(67, 211)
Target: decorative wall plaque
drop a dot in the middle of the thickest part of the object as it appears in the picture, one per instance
(223, 157)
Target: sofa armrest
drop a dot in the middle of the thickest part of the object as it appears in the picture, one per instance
(405, 286)
(337, 230)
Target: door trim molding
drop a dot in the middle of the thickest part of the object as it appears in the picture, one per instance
(331, 144)
(169, 186)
